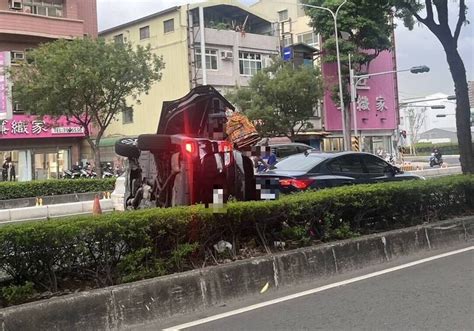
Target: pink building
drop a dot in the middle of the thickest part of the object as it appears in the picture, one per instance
(376, 107)
(39, 148)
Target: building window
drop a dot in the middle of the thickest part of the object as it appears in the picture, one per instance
(287, 40)
(250, 63)
(145, 32)
(53, 8)
(211, 59)
(308, 38)
(283, 15)
(127, 115)
(168, 25)
(118, 39)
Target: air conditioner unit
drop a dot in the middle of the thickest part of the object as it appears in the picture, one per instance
(17, 56)
(227, 55)
(16, 4)
(17, 107)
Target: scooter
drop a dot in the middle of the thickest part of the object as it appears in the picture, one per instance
(73, 173)
(389, 158)
(108, 172)
(435, 160)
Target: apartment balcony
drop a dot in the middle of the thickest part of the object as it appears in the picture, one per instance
(14, 25)
(238, 40)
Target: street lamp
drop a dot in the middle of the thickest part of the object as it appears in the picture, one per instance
(356, 79)
(341, 97)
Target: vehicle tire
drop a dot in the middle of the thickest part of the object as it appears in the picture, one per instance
(431, 164)
(127, 147)
(154, 142)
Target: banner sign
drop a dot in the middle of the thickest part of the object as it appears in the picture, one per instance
(27, 127)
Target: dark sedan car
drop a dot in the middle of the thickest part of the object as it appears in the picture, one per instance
(315, 170)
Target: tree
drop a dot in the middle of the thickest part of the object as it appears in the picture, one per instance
(367, 29)
(410, 10)
(86, 80)
(280, 99)
(416, 119)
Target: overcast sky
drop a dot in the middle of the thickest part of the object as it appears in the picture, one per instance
(413, 47)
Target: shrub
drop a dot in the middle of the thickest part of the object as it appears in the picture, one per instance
(15, 294)
(119, 247)
(41, 188)
(445, 148)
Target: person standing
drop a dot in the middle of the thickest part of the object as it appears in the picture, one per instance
(10, 169)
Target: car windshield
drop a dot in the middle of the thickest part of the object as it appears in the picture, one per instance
(299, 162)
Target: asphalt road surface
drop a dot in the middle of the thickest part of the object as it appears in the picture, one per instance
(450, 160)
(433, 295)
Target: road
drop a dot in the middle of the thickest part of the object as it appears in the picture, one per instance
(433, 295)
(450, 160)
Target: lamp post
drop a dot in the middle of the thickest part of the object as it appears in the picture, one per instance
(356, 79)
(346, 141)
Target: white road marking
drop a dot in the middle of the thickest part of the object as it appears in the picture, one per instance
(314, 290)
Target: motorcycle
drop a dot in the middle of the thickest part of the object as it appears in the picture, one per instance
(436, 160)
(73, 173)
(108, 172)
(88, 172)
(389, 158)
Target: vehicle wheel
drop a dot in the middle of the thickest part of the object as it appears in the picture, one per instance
(431, 164)
(127, 147)
(154, 142)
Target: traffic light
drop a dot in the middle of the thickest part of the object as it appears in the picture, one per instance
(355, 144)
(419, 69)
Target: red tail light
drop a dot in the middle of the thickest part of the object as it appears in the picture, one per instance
(301, 184)
(190, 148)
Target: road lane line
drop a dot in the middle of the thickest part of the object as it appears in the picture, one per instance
(314, 290)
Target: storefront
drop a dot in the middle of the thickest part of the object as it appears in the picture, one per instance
(39, 148)
(375, 109)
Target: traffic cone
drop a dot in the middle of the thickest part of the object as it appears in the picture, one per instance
(96, 210)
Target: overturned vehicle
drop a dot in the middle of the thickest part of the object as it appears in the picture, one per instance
(198, 155)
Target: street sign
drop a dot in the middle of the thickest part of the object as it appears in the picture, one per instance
(287, 54)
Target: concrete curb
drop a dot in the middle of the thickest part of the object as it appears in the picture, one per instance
(40, 213)
(124, 306)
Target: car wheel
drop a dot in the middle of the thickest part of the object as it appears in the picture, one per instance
(154, 142)
(127, 147)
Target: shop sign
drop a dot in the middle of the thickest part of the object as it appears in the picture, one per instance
(23, 126)
(5, 87)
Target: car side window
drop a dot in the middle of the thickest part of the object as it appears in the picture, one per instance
(375, 165)
(347, 164)
(285, 151)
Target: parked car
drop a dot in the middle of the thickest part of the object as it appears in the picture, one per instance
(188, 156)
(315, 170)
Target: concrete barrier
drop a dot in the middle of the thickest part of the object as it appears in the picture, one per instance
(131, 305)
(52, 211)
(49, 200)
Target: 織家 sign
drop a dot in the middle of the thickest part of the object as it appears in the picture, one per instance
(23, 126)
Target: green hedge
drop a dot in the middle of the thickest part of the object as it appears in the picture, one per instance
(85, 252)
(41, 188)
(445, 148)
